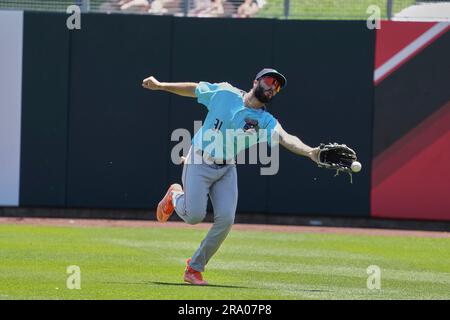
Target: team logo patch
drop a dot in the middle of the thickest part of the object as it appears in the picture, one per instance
(251, 124)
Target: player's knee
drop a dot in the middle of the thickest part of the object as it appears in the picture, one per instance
(225, 220)
(195, 217)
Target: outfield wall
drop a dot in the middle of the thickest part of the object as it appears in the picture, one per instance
(92, 137)
(410, 176)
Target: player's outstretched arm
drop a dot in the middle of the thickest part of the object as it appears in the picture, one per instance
(295, 145)
(186, 89)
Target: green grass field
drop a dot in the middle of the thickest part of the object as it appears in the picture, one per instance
(330, 9)
(148, 263)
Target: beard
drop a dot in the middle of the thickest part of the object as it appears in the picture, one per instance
(259, 94)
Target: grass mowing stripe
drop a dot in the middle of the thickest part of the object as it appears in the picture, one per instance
(335, 270)
(148, 263)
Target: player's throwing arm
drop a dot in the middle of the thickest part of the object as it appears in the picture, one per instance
(185, 89)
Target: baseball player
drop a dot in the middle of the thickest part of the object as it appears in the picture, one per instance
(213, 173)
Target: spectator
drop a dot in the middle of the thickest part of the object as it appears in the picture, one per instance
(248, 9)
(199, 6)
(109, 6)
(157, 7)
(214, 9)
(134, 5)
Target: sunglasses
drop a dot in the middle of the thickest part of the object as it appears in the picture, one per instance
(270, 81)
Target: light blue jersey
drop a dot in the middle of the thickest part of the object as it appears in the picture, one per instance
(230, 127)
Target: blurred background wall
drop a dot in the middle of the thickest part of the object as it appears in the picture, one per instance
(92, 137)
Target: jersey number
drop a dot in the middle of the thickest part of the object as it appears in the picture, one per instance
(218, 124)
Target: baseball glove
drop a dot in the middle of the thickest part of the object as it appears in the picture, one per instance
(336, 156)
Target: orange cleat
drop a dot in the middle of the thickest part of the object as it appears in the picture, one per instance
(193, 276)
(165, 207)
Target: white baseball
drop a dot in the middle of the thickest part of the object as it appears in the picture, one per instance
(356, 166)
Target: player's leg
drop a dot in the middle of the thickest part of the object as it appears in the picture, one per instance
(197, 178)
(224, 195)
(190, 205)
(189, 201)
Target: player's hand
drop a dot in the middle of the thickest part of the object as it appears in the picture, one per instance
(151, 83)
(314, 154)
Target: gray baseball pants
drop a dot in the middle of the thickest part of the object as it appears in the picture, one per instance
(201, 179)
